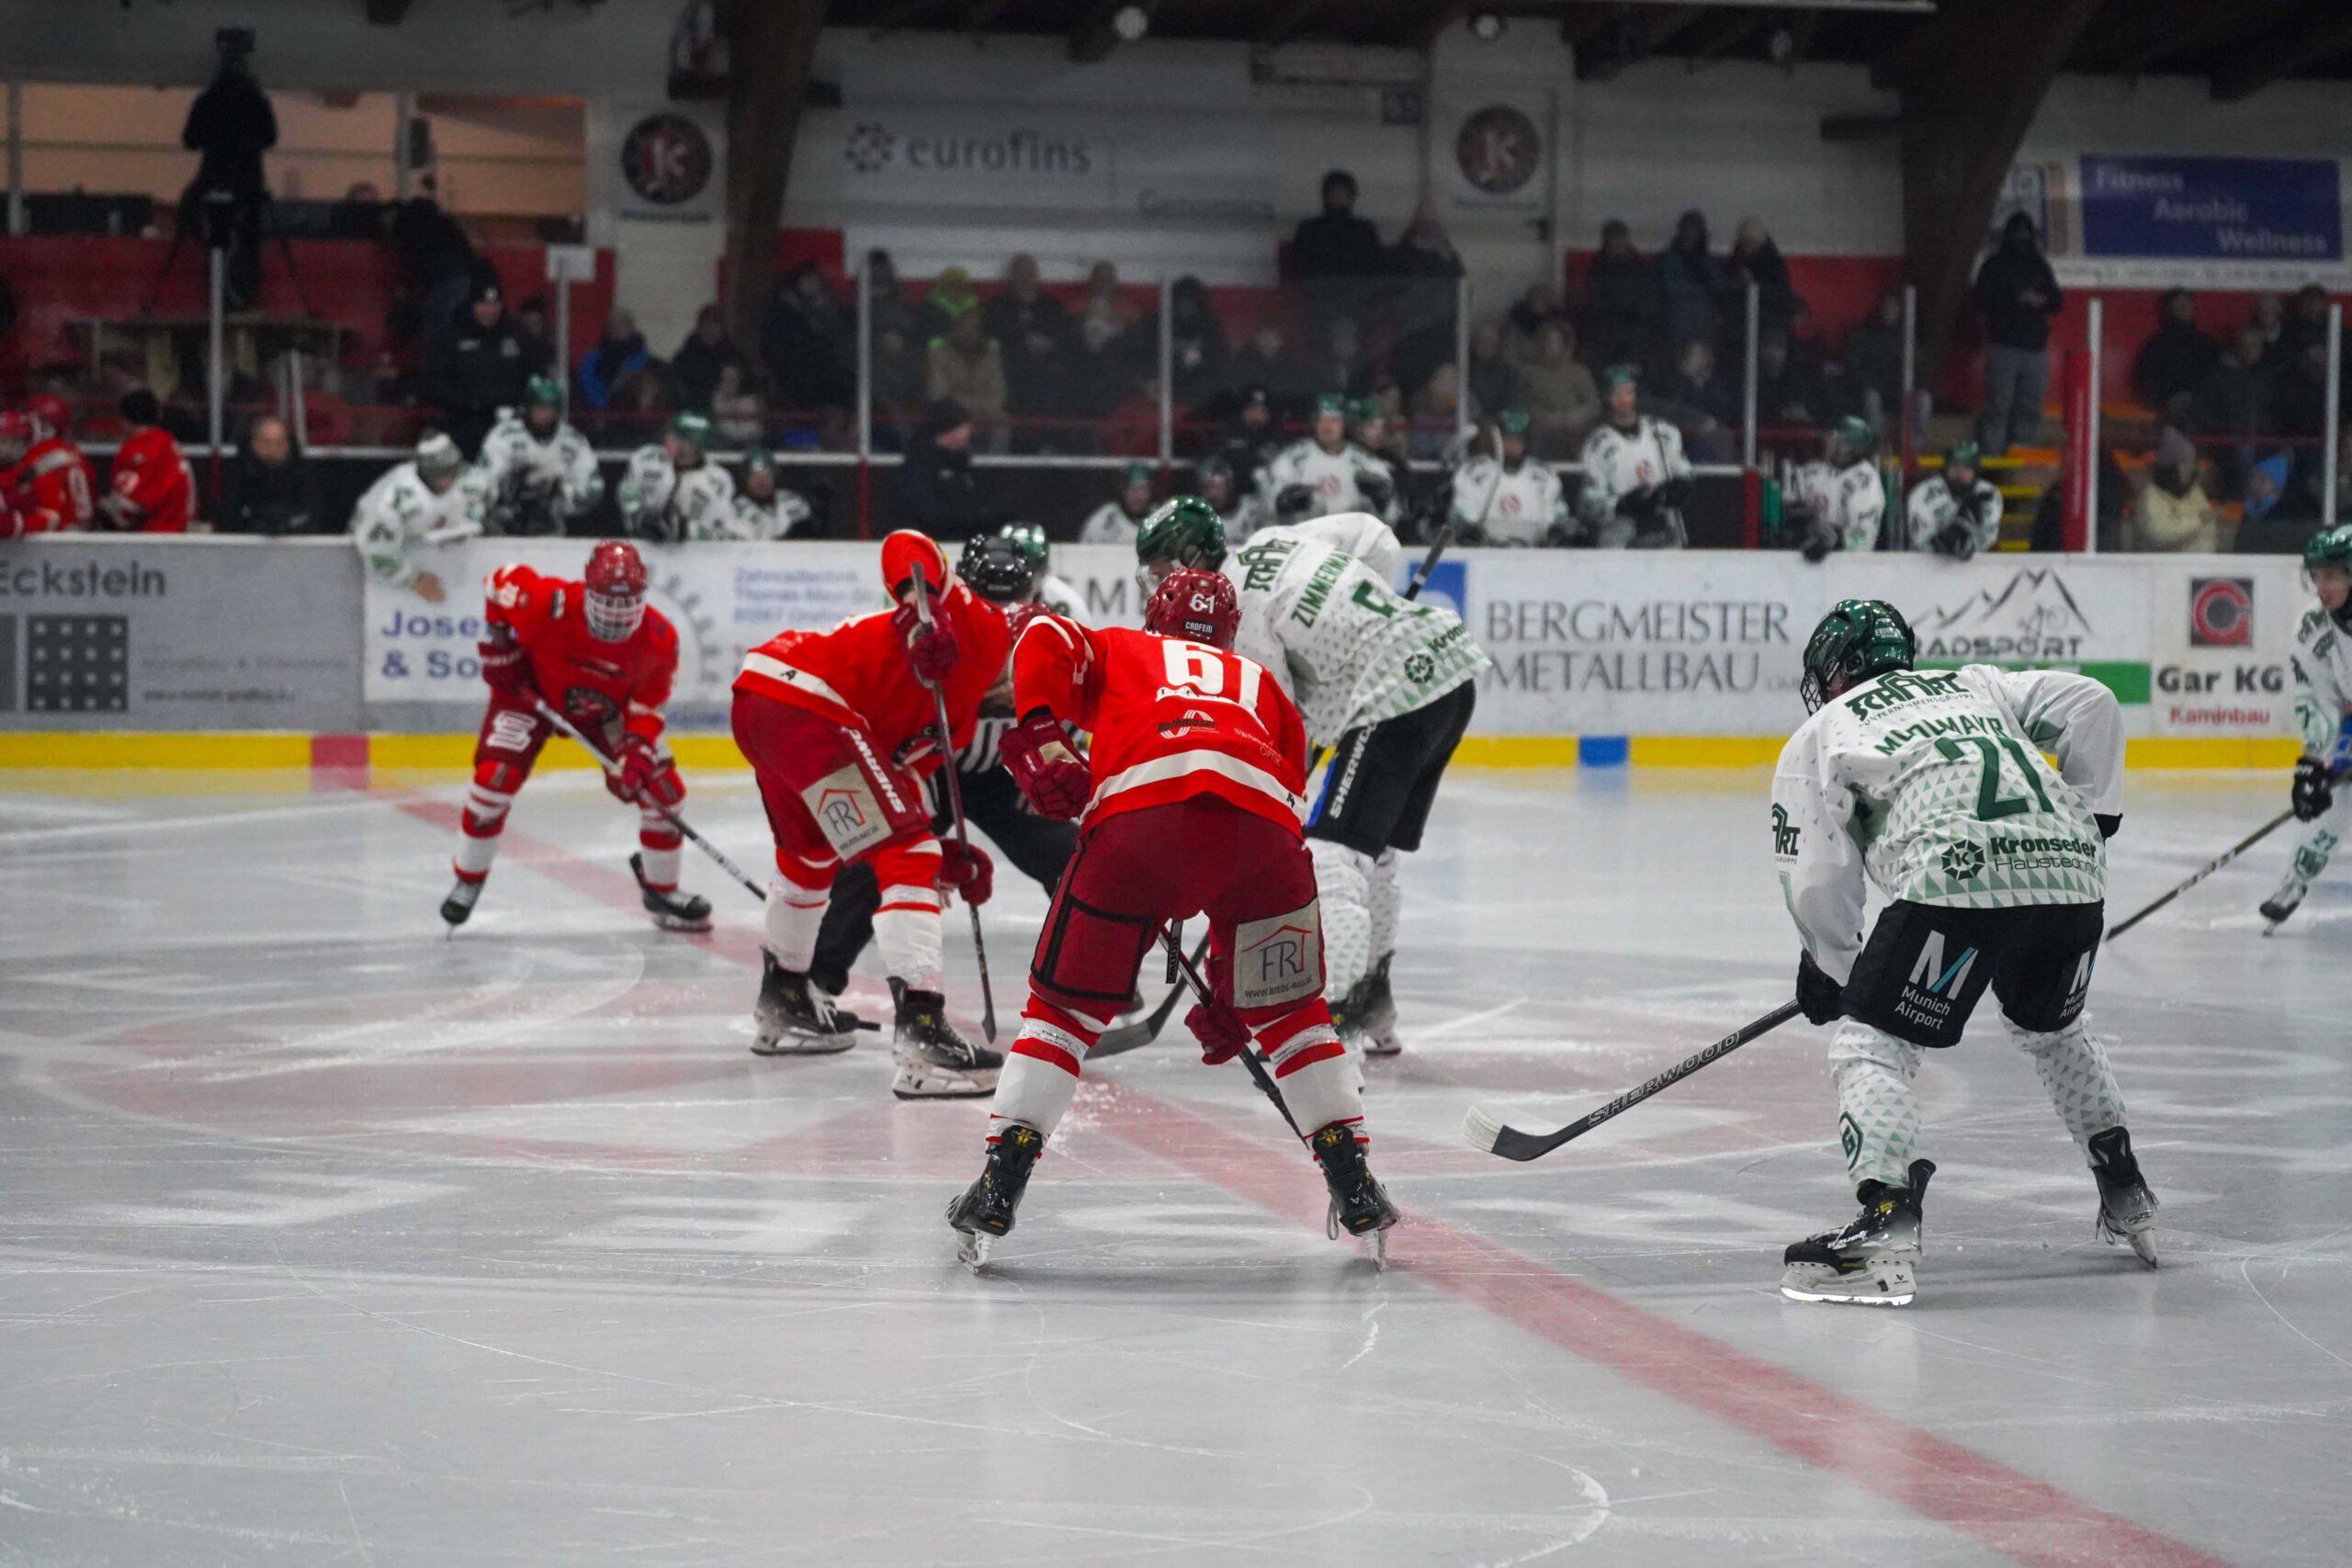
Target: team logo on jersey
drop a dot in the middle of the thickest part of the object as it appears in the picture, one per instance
(1279, 962)
(2221, 612)
(1929, 968)
(1962, 862)
(1849, 1139)
(1183, 724)
(847, 812)
(1421, 668)
(1784, 833)
(666, 158)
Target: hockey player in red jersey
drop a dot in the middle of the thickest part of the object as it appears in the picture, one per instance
(1191, 800)
(47, 483)
(604, 659)
(153, 492)
(842, 728)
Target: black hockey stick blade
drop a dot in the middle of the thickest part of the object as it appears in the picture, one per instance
(1144, 1030)
(1483, 1131)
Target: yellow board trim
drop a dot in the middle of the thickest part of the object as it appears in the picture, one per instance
(149, 749)
(226, 751)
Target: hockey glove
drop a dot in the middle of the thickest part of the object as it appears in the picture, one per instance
(2109, 826)
(1376, 491)
(968, 869)
(1674, 492)
(2314, 789)
(1563, 536)
(646, 776)
(1822, 999)
(1294, 500)
(1052, 775)
(1956, 539)
(507, 669)
(1818, 545)
(929, 649)
(1220, 1030)
(1636, 503)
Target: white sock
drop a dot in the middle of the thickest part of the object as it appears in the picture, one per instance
(1323, 1093)
(1383, 900)
(2074, 1070)
(907, 934)
(1343, 882)
(1878, 1121)
(794, 915)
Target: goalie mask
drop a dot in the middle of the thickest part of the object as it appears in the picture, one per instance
(614, 600)
(1199, 607)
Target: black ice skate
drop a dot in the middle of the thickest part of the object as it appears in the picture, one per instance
(1360, 1206)
(793, 1018)
(459, 906)
(2127, 1210)
(1874, 1260)
(985, 1211)
(673, 910)
(2283, 903)
(934, 1062)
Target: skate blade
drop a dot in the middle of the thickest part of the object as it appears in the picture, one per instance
(1890, 1284)
(1382, 1048)
(802, 1045)
(973, 1251)
(2145, 1246)
(680, 923)
(1797, 1296)
(1376, 1247)
(930, 1082)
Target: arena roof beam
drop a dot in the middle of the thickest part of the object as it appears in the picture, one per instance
(1965, 110)
(2314, 39)
(773, 45)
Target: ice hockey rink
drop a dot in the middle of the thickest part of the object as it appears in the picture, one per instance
(332, 1240)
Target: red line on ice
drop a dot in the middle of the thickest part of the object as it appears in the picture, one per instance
(2027, 1520)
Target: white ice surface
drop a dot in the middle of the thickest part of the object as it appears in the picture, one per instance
(329, 1240)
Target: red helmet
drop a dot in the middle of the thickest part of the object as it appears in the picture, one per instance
(615, 596)
(906, 552)
(1199, 607)
(51, 410)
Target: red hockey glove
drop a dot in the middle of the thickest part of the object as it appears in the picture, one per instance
(931, 649)
(646, 775)
(1220, 1030)
(507, 669)
(968, 869)
(1053, 776)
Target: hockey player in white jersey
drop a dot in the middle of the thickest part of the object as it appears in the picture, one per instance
(1059, 595)
(673, 490)
(1838, 502)
(763, 509)
(432, 500)
(1115, 521)
(1957, 512)
(1636, 478)
(540, 472)
(1932, 787)
(2323, 690)
(1505, 497)
(1326, 474)
(1242, 510)
(1387, 683)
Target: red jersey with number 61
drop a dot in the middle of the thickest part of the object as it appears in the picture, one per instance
(590, 681)
(1170, 720)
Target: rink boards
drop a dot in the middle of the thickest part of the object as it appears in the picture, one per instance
(247, 654)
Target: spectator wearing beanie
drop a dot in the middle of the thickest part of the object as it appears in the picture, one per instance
(479, 369)
(936, 490)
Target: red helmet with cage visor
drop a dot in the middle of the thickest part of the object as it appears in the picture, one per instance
(615, 602)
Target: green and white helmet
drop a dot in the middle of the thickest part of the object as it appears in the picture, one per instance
(694, 429)
(2329, 547)
(1032, 540)
(1185, 531)
(1859, 638)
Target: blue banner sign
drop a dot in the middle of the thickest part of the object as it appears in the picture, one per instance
(2232, 209)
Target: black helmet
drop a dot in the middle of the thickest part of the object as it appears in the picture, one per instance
(998, 569)
(1859, 638)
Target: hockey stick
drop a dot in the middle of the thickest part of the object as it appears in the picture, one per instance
(955, 805)
(1134, 1036)
(565, 727)
(1258, 1073)
(1491, 1136)
(2208, 869)
(1428, 562)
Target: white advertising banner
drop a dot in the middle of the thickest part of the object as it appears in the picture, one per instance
(1585, 643)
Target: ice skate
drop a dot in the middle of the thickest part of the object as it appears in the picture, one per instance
(1359, 1205)
(986, 1209)
(1375, 1010)
(2127, 1210)
(793, 1018)
(673, 910)
(1874, 1261)
(459, 906)
(934, 1062)
(2283, 903)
